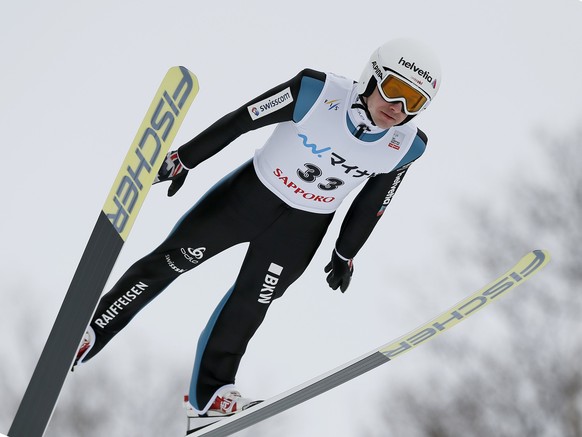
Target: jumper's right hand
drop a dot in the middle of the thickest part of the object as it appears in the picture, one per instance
(172, 170)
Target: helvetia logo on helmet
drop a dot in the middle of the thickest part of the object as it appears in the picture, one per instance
(422, 73)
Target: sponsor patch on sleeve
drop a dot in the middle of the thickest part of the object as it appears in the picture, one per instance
(270, 104)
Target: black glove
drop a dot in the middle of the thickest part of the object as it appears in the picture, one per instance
(173, 170)
(340, 272)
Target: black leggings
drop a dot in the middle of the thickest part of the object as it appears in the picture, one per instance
(238, 209)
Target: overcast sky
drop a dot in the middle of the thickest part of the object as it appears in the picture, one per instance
(77, 78)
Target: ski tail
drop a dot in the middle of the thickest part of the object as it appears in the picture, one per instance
(530, 264)
(149, 149)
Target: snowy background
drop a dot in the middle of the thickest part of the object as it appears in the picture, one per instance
(77, 78)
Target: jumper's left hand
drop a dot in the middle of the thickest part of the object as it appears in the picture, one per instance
(340, 272)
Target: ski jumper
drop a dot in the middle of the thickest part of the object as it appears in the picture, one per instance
(281, 202)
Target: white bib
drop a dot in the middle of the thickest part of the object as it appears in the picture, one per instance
(314, 164)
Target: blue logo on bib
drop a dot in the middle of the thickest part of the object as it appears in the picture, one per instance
(312, 146)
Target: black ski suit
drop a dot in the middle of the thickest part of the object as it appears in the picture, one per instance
(240, 208)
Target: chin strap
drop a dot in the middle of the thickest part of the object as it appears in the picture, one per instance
(360, 115)
(360, 103)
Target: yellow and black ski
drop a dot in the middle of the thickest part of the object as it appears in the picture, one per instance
(145, 157)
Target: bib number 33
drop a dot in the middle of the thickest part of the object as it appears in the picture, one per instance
(311, 173)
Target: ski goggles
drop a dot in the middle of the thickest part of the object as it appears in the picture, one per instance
(393, 89)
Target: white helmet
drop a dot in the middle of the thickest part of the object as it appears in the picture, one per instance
(407, 59)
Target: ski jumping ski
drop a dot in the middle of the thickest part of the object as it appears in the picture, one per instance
(517, 275)
(141, 164)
